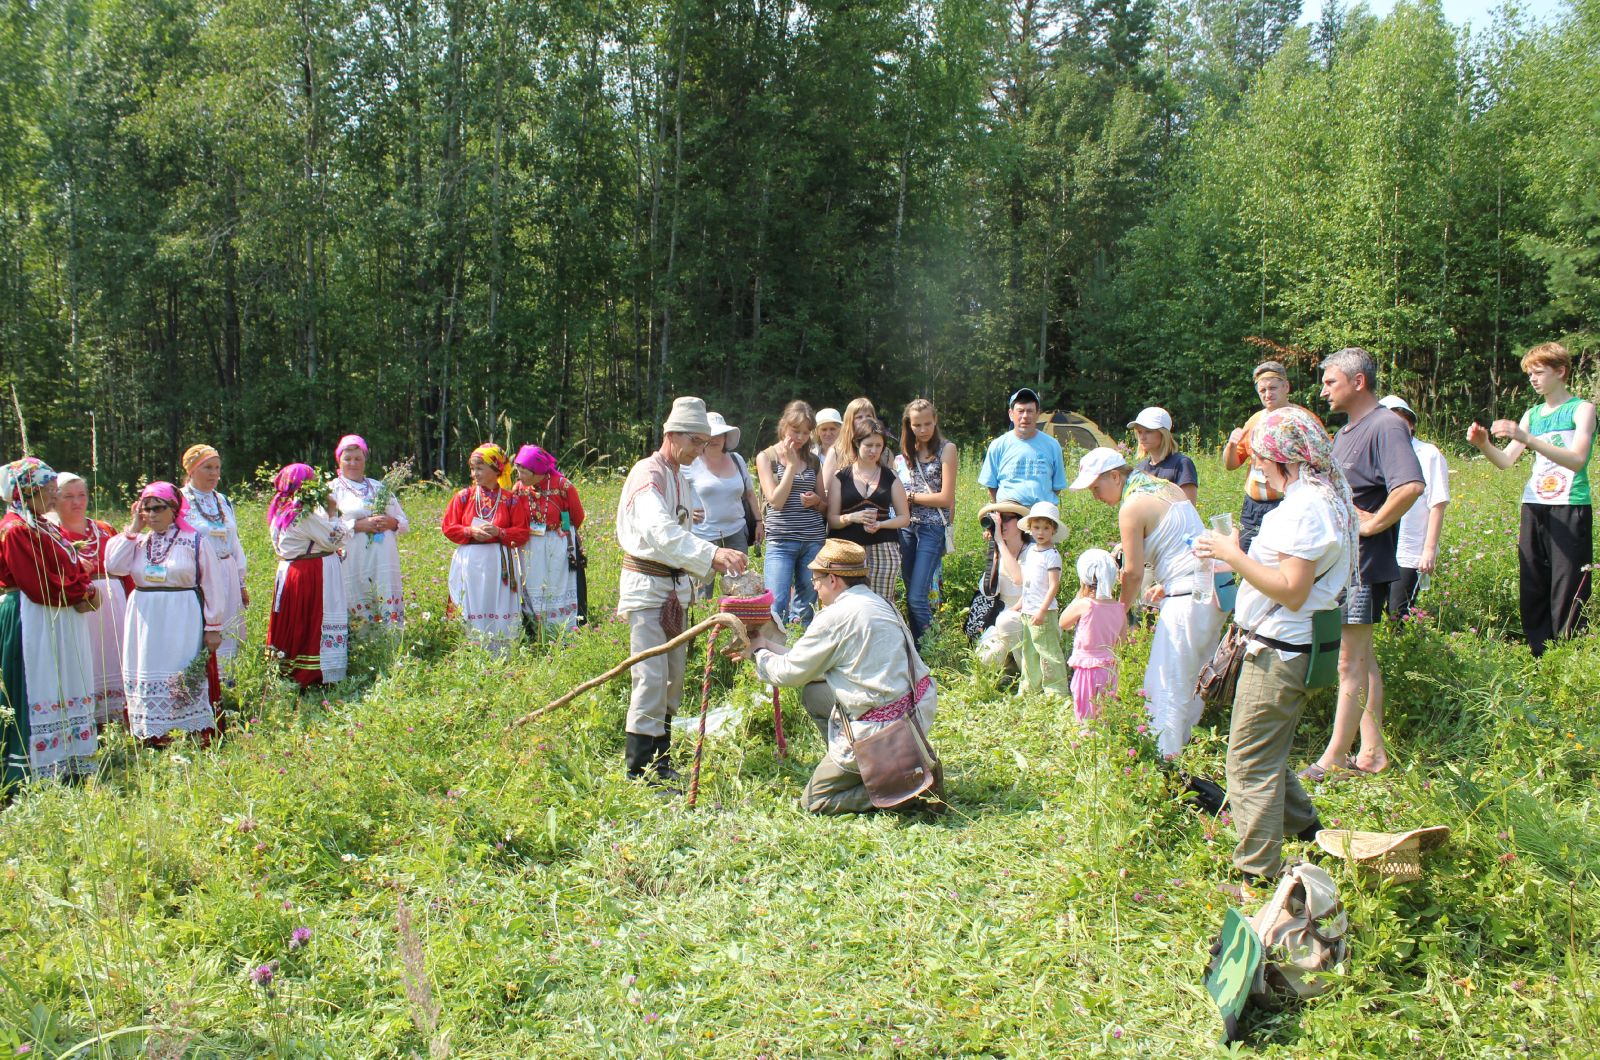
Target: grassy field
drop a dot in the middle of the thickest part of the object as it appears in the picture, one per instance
(470, 891)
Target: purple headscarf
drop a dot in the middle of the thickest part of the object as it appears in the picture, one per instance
(284, 508)
(166, 491)
(532, 458)
(346, 442)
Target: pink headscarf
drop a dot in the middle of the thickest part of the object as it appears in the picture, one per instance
(284, 508)
(346, 442)
(166, 491)
(1291, 435)
(532, 458)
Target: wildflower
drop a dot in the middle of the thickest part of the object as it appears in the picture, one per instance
(246, 824)
(288, 904)
(1116, 1032)
(1504, 835)
(299, 937)
(261, 975)
(1507, 858)
(1132, 752)
(1142, 729)
(629, 980)
(652, 1017)
(899, 1040)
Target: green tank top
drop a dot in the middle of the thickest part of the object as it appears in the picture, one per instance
(1551, 483)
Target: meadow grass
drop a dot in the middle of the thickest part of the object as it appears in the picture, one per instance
(475, 891)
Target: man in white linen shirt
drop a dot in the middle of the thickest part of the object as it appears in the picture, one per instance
(1417, 550)
(661, 560)
(857, 657)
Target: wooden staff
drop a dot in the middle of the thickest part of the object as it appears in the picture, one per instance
(726, 621)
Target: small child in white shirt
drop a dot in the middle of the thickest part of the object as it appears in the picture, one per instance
(1044, 665)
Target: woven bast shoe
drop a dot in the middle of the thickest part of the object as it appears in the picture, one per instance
(1397, 855)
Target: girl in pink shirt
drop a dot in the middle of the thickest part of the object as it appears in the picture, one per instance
(1101, 622)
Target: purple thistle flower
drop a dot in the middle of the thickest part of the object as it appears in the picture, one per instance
(262, 974)
(301, 936)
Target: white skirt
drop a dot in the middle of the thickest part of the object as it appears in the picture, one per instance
(1186, 636)
(161, 638)
(549, 584)
(483, 595)
(57, 669)
(105, 650)
(230, 598)
(333, 648)
(372, 579)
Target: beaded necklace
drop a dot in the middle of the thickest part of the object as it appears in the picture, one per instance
(53, 532)
(486, 514)
(167, 543)
(213, 516)
(363, 489)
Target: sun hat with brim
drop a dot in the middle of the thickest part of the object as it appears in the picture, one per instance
(688, 416)
(1044, 510)
(722, 428)
(1398, 404)
(1004, 508)
(827, 416)
(1153, 418)
(844, 558)
(1397, 855)
(1094, 463)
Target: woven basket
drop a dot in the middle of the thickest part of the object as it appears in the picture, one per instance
(753, 611)
(1397, 855)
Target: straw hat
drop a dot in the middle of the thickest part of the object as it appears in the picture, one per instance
(1005, 507)
(844, 558)
(1394, 854)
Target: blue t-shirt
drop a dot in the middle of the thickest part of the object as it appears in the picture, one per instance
(1024, 471)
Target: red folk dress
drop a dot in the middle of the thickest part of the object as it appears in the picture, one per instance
(485, 584)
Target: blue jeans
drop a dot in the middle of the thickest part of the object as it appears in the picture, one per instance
(786, 574)
(921, 564)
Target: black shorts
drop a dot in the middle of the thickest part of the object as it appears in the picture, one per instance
(1364, 603)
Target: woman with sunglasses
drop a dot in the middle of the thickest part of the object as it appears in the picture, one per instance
(174, 625)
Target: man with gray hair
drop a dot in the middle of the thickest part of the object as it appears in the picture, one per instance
(1374, 451)
(661, 561)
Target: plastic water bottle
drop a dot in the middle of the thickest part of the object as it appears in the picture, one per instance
(1205, 579)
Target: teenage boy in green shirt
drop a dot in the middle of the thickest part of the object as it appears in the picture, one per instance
(1556, 544)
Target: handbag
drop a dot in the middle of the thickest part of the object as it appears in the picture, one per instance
(1219, 677)
(986, 602)
(744, 502)
(897, 762)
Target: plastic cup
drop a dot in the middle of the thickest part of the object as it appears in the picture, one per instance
(1222, 524)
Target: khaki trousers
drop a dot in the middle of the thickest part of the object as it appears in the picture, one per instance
(1264, 795)
(657, 682)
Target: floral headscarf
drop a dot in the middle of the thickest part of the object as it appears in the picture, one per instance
(496, 458)
(20, 478)
(171, 495)
(1142, 482)
(1291, 435)
(346, 442)
(196, 455)
(532, 458)
(284, 509)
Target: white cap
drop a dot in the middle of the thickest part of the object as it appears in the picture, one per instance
(1044, 510)
(1094, 463)
(1153, 418)
(829, 416)
(1398, 404)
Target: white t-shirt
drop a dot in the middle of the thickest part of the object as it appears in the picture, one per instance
(1435, 491)
(1301, 526)
(722, 499)
(1037, 563)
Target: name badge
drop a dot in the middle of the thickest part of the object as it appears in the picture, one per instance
(220, 533)
(377, 537)
(478, 520)
(155, 573)
(538, 529)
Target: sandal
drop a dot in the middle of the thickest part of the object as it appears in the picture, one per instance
(1353, 766)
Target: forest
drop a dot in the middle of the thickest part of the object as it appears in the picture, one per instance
(263, 223)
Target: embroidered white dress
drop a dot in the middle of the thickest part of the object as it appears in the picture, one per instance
(307, 536)
(105, 623)
(212, 515)
(371, 561)
(165, 628)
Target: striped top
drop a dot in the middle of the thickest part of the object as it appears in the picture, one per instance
(795, 521)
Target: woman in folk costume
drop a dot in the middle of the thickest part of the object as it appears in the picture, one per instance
(212, 515)
(310, 626)
(549, 574)
(372, 560)
(489, 523)
(173, 629)
(44, 639)
(89, 537)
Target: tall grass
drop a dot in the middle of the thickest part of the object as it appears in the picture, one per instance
(480, 892)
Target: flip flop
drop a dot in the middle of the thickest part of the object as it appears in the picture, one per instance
(1355, 767)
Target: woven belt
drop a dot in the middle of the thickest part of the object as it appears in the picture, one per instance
(650, 567)
(165, 589)
(314, 555)
(902, 706)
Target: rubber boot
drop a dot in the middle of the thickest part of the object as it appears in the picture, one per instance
(662, 762)
(638, 752)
